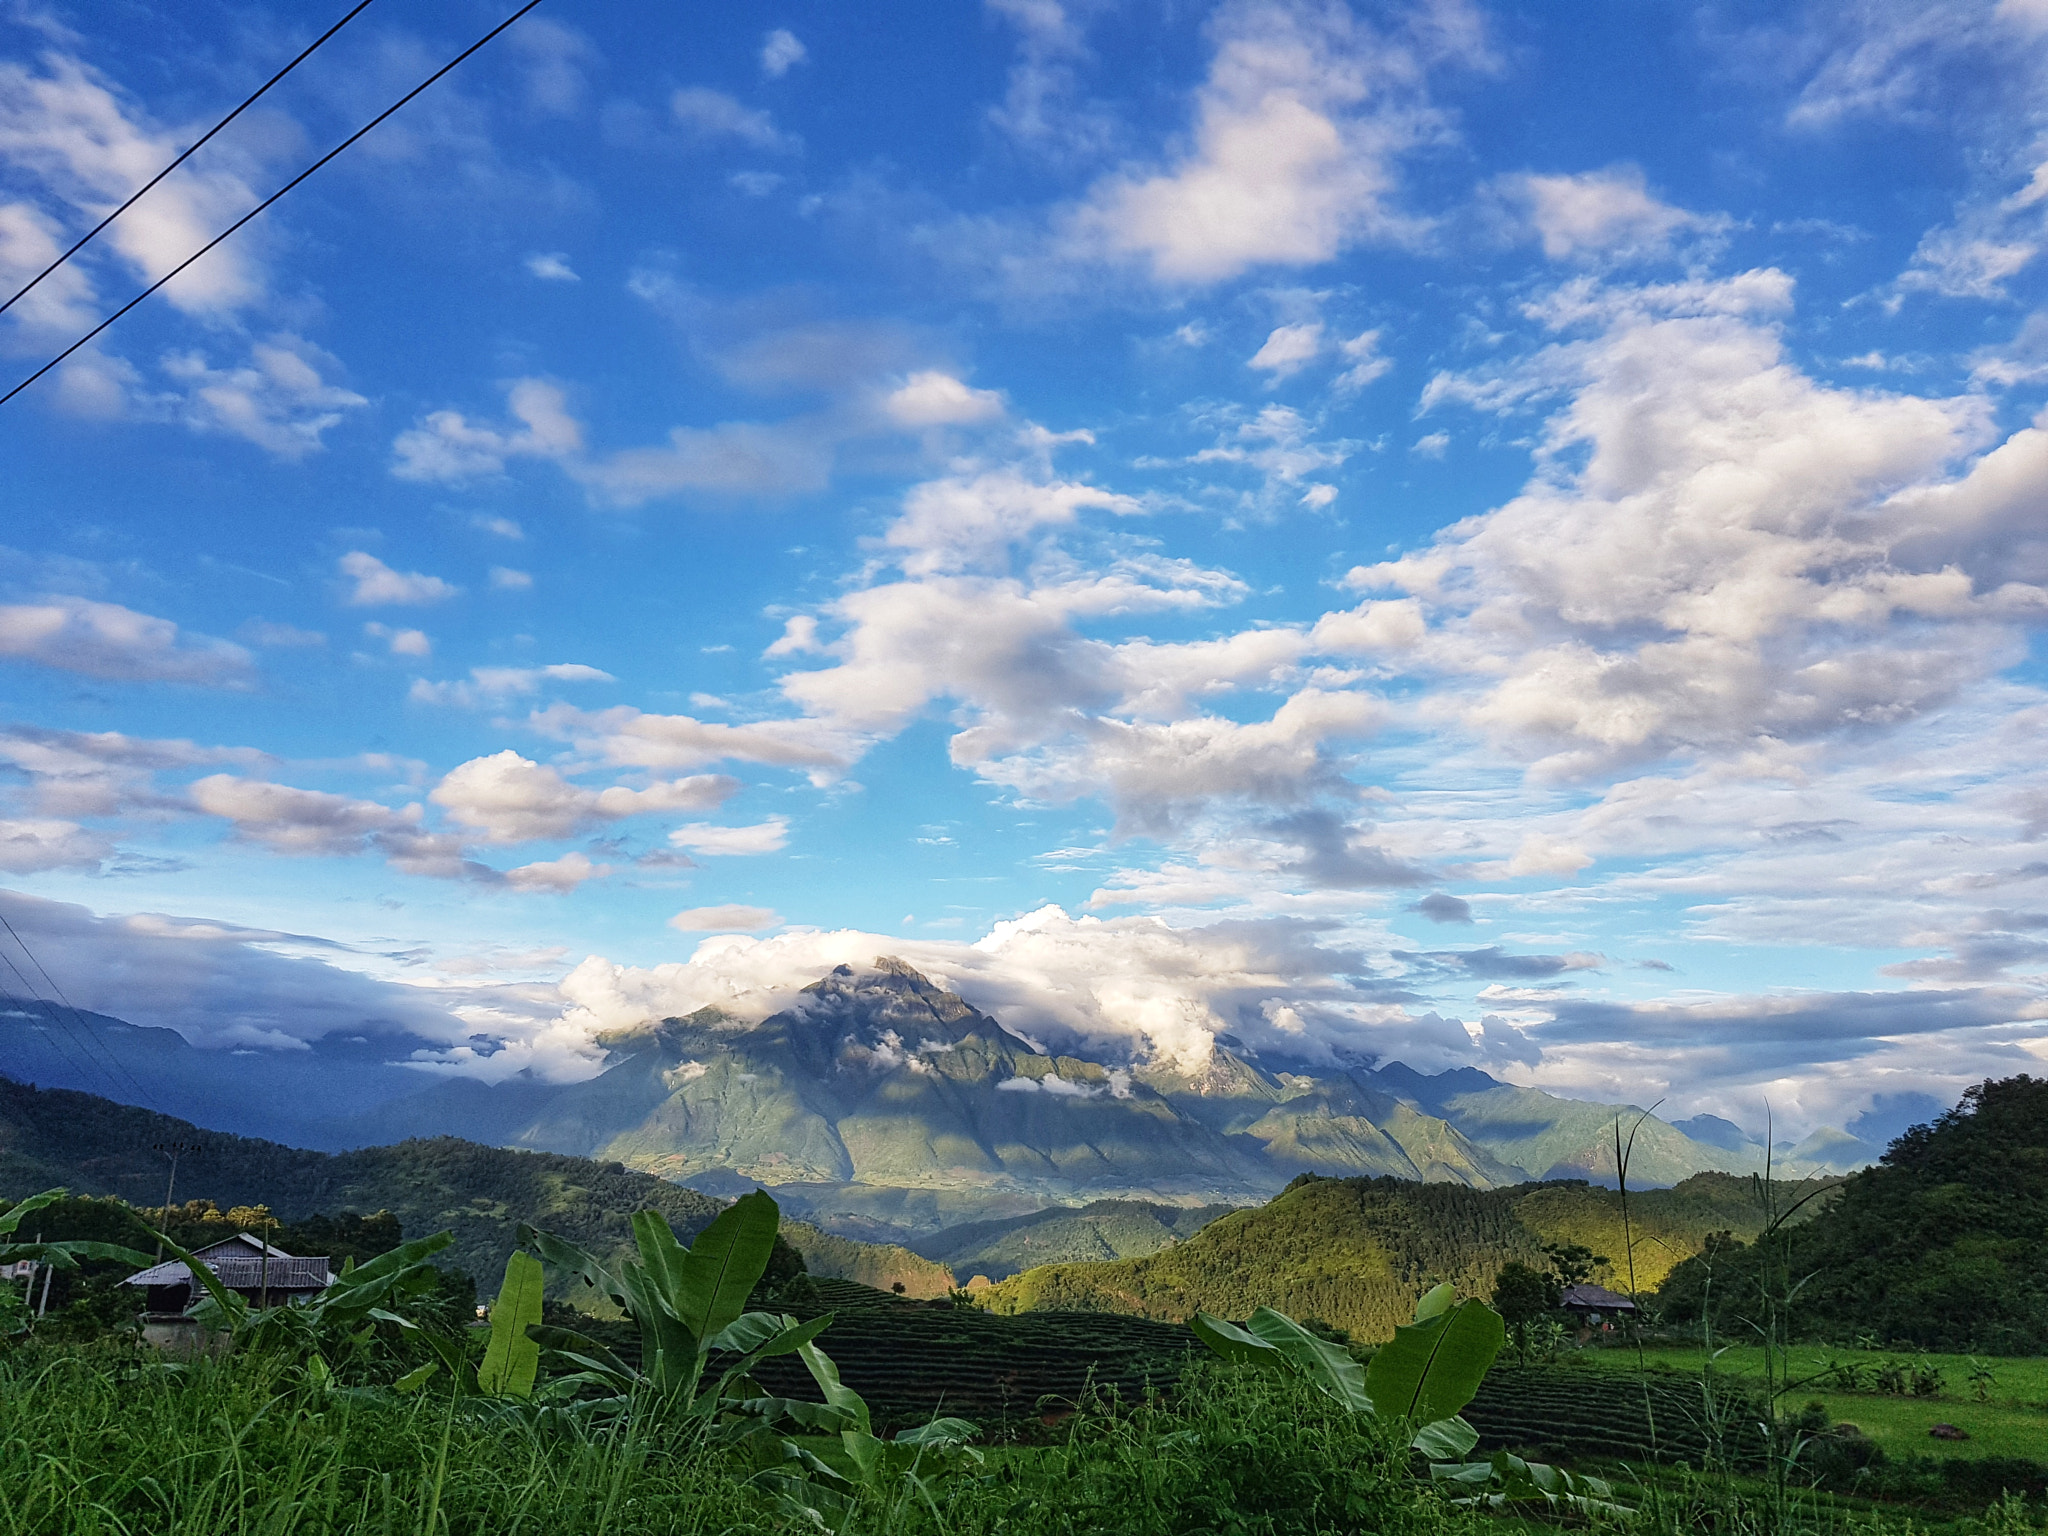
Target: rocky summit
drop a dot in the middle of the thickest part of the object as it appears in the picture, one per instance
(883, 1105)
(879, 1101)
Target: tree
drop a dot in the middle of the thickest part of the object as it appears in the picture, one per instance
(1522, 1295)
(1572, 1265)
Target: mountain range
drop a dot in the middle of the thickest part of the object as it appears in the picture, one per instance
(881, 1106)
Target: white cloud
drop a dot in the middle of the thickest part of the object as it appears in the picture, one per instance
(69, 129)
(1288, 350)
(29, 847)
(506, 798)
(552, 267)
(109, 641)
(1292, 158)
(402, 642)
(781, 51)
(313, 823)
(1599, 213)
(701, 837)
(626, 737)
(278, 400)
(1040, 110)
(378, 585)
(447, 447)
(1431, 445)
(1367, 363)
(490, 687)
(1716, 550)
(707, 115)
(731, 916)
(936, 399)
(556, 876)
(505, 579)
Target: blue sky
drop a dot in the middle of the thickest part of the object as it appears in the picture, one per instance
(1485, 534)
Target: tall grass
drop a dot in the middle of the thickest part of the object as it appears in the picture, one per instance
(102, 1444)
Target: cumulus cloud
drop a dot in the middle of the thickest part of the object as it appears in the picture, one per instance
(305, 823)
(1288, 350)
(1607, 213)
(933, 398)
(377, 585)
(1716, 549)
(556, 876)
(506, 798)
(67, 126)
(108, 641)
(1294, 150)
(280, 399)
(447, 447)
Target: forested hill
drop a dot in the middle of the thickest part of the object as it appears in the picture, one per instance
(1357, 1252)
(91, 1145)
(1943, 1244)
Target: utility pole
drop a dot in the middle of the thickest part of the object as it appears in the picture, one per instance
(172, 1150)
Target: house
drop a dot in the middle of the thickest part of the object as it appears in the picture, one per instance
(1596, 1306)
(262, 1273)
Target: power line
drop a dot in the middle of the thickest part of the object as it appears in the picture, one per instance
(86, 239)
(57, 1039)
(120, 1069)
(280, 192)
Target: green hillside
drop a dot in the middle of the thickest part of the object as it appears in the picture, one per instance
(1940, 1245)
(1357, 1252)
(1106, 1229)
(94, 1146)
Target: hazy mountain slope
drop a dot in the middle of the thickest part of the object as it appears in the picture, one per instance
(1357, 1252)
(278, 1095)
(1552, 1138)
(1106, 1229)
(94, 1146)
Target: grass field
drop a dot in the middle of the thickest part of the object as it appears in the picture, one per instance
(2012, 1422)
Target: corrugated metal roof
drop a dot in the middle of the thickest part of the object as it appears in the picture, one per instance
(1597, 1297)
(244, 1271)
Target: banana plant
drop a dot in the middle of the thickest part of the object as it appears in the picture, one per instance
(1433, 1366)
(58, 1255)
(688, 1304)
(511, 1358)
(1504, 1481)
(1274, 1341)
(888, 1472)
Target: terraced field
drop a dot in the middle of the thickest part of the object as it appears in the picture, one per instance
(1575, 1414)
(912, 1359)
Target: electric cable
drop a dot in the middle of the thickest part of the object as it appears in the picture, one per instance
(280, 192)
(86, 239)
(120, 1069)
(57, 1038)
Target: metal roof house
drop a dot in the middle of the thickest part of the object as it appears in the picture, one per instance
(261, 1272)
(1596, 1304)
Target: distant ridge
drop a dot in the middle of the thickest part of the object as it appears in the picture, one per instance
(91, 1145)
(883, 1106)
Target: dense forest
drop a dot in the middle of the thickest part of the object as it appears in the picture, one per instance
(93, 1146)
(1942, 1244)
(1355, 1253)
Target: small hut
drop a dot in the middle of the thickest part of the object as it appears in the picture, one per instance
(1596, 1306)
(261, 1273)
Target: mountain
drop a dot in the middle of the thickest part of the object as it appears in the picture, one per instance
(91, 1145)
(1105, 1229)
(1357, 1252)
(882, 1107)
